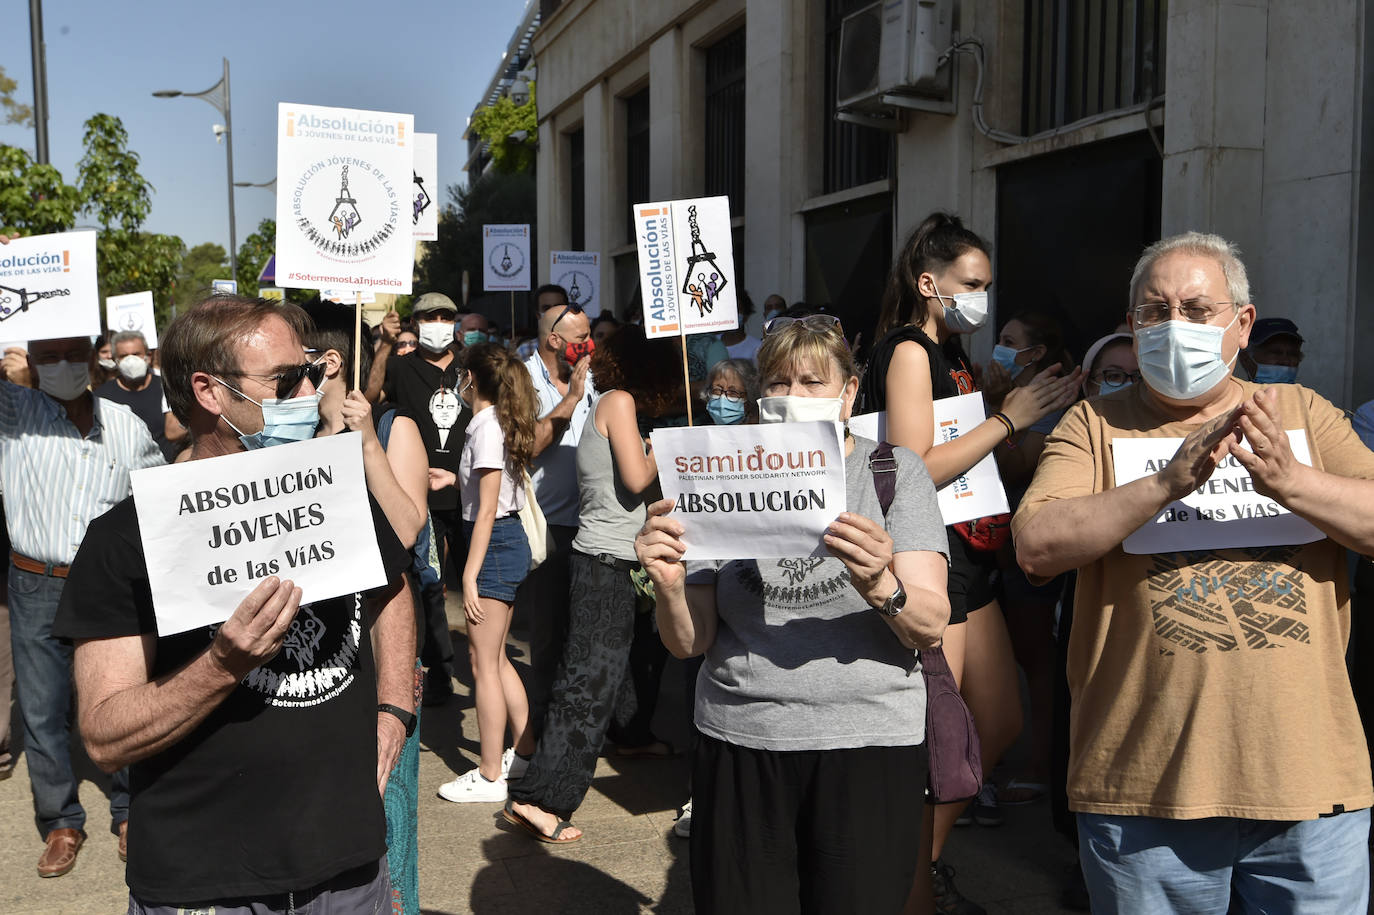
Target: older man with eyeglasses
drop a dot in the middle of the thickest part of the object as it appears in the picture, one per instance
(1216, 757)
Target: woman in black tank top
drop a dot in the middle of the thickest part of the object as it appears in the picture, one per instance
(936, 293)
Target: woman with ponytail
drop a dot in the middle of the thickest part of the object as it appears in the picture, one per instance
(937, 292)
(499, 446)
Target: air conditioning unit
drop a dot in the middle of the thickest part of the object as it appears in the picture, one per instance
(890, 57)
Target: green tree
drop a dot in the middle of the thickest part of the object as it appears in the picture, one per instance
(34, 200)
(119, 199)
(15, 113)
(254, 254)
(499, 122)
(495, 197)
(199, 266)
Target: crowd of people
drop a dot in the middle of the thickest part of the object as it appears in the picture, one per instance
(1191, 717)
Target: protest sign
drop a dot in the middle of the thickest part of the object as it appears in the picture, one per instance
(344, 176)
(348, 296)
(977, 492)
(1225, 512)
(686, 266)
(214, 528)
(424, 213)
(48, 287)
(224, 287)
(272, 293)
(753, 492)
(132, 312)
(578, 272)
(506, 258)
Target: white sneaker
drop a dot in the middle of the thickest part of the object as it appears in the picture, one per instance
(513, 766)
(471, 788)
(682, 827)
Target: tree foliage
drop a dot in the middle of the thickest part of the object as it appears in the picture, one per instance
(34, 200)
(254, 254)
(495, 124)
(495, 197)
(200, 266)
(15, 113)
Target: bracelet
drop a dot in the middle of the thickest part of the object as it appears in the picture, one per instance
(1002, 418)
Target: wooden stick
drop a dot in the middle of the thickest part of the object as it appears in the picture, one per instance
(357, 338)
(686, 375)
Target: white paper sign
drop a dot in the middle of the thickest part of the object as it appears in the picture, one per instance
(978, 492)
(348, 296)
(214, 528)
(506, 258)
(132, 312)
(686, 266)
(1225, 512)
(579, 272)
(224, 287)
(424, 211)
(753, 492)
(48, 287)
(344, 177)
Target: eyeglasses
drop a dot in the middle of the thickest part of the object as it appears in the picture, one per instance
(574, 308)
(732, 396)
(1115, 377)
(819, 323)
(405, 346)
(1197, 311)
(289, 380)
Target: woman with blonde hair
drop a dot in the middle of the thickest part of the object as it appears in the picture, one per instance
(809, 776)
(496, 454)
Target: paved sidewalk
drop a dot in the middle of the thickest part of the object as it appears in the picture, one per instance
(472, 861)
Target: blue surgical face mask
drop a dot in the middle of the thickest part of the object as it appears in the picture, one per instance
(1183, 360)
(474, 337)
(1275, 374)
(1005, 356)
(1107, 387)
(283, 421)
(725, 412)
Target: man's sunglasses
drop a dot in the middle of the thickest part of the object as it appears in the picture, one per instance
(289, 380)
(574, 308)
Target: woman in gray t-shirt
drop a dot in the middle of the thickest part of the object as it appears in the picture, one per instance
(809, 779)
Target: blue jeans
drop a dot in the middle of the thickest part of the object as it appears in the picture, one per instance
(1143, 865)
(43, 681)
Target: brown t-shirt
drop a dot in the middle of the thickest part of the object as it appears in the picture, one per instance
(1213, 682)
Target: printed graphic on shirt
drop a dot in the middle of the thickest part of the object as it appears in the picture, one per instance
(444, 408)
(1223, 605)
(790, 587)
(316, 663)
(963, 379)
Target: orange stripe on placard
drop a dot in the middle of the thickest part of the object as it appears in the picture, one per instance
(290, 124)
(666, 327)
(659, 212)
(66, 262)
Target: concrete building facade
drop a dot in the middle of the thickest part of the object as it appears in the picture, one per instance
(1108, 123)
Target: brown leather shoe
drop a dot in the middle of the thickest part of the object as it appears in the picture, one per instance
(59, 857)
(124, 841)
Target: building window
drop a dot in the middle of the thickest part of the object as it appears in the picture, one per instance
(577, 189)
(854, 155)
(1085, 57)
(725, 120)
(636, 156)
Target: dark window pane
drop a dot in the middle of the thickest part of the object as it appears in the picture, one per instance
(577, 188)
(636, 156)
(725, 120)
(854, 155)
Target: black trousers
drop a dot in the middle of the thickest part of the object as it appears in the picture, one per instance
(811, 831)
(436, 645)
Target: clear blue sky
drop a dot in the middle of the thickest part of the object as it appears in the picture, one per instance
(432, 58)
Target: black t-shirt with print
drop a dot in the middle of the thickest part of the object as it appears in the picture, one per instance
(429, 395)
(147, 406)
(276, 790)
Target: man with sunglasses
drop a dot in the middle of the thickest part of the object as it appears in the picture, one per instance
(65, 458)
(565, 395)
(258, 748)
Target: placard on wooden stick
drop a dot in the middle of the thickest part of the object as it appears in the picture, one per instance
(48, 287)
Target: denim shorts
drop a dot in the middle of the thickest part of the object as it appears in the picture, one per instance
(507, 561)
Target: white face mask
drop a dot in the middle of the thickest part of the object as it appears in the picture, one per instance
(107, 364)
(792, 409)
(64, 380)
(1182, 360)
(436, 336)
(133, 368)
(968, 313)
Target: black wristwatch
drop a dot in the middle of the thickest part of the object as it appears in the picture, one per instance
(408, 718)
(896, 603)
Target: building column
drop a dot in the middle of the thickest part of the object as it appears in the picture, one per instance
(667, 92)
(551, 179)
(597, 159)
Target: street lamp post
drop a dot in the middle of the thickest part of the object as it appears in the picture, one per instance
(218, 97)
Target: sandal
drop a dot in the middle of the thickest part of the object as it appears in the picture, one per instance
(556, 839)
(1018, 793)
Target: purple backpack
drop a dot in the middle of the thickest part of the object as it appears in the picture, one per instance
(956, 766)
